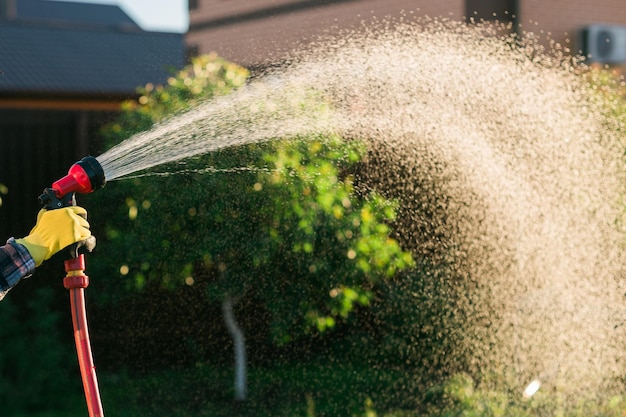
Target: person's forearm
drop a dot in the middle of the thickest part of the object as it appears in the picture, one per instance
(15, 264)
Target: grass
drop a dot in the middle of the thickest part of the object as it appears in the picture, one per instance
(293, 390)
(310, 390)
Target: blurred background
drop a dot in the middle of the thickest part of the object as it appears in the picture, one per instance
(70, 68)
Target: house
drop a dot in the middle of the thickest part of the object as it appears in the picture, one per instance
(65, 68)
(261, 33)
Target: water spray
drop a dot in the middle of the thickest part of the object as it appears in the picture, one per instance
(85, 176)
(532, 388)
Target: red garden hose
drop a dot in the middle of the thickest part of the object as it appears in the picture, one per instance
(76, 281)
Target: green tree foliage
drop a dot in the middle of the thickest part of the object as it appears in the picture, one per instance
(206, 77)
(3, 191)
(278, 222)
(37, 359)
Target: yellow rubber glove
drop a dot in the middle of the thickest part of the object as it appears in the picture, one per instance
(55, 230)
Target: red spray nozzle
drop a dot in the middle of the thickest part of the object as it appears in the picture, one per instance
(85, 176)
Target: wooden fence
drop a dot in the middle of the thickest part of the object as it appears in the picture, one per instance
(37, 147)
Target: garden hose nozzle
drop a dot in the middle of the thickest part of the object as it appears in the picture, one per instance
(85, 176)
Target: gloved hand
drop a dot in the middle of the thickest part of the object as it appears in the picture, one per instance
(56, 229)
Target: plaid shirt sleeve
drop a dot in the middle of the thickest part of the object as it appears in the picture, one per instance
(15, 264)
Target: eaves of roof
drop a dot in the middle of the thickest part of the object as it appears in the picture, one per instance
(72, 13)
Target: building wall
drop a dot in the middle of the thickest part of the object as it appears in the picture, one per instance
(257, 33)
(562, 20)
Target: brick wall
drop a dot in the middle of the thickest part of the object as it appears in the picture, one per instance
(253, 33)
(563, 19)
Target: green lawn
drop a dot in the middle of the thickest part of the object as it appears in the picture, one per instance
(314, 390)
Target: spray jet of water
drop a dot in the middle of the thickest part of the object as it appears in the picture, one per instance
(508, 174)
(532, 388)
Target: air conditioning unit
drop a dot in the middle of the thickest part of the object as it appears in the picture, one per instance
(604, 44)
